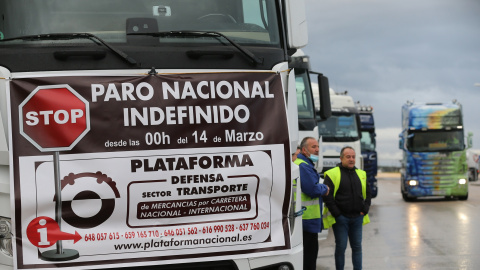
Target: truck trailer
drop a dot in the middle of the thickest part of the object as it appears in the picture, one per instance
(434, 160)
(149, 134)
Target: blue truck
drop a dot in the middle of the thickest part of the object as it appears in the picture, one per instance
(434, 155)
(368, 146)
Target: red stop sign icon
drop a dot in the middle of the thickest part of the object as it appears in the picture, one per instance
(54, 118)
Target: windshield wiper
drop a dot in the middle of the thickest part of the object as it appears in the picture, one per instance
(250, 55)
(69, 36)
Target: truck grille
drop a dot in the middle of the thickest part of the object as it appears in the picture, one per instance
(438, 169)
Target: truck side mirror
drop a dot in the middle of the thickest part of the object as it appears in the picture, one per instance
(324, 94)
(400, 143)
(296, 20)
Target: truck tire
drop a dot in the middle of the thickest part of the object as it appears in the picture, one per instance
(472, 174)
(408, 198)
(463, 198)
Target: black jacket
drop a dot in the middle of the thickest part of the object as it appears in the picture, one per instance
(349, 200)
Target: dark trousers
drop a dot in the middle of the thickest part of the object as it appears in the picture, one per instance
(310, 250)
(348, 229)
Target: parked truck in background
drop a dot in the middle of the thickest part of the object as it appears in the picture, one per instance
(176, 89)
(473, 161)
(434, 156)
(368, 145)
(340, 130)
(313, 103)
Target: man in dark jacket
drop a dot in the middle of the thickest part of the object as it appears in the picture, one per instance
(312, 192)
(347, 206)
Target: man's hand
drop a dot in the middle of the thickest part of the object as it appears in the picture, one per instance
(328, 190)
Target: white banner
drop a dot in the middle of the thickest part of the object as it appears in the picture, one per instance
(140, 171)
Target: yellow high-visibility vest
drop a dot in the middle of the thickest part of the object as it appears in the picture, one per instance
(334, 174)
(312, 204)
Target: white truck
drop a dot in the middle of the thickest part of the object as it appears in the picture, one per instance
(473, 162)
(149, 134)
(313, 103)
(341, 129)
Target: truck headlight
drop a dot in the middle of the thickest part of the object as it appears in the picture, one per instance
(462, 181)
(412, 182)
(6, 236)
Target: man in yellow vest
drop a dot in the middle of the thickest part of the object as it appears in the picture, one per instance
(312, 192)
(346, 207)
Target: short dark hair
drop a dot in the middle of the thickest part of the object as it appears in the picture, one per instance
(303, 143)
(343, 149)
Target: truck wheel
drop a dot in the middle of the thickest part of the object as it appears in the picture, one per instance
(463, 198)
(408, 198)
(472, 175)
(404, 193)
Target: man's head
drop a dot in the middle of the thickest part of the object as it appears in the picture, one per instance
(309, 146)
(347, 157)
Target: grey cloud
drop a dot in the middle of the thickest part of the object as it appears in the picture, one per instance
(387, 52)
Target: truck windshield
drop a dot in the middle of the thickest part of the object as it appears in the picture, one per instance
(252, 22)
(432, 141)
(339, 128)
(368, 141)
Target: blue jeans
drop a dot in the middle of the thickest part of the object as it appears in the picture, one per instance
(348, 229)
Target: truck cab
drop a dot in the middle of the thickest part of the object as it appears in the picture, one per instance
(434, 156)
(340, 130)
(313, 103)
(119, 39)
(368, 145)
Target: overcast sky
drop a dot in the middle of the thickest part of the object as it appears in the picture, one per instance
(387, 52)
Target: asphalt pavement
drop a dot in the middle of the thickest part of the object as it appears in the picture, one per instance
(429, 234)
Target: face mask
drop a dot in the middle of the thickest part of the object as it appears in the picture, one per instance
(314, 158)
